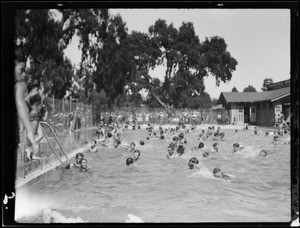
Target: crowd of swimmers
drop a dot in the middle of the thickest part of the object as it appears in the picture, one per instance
(109, 136)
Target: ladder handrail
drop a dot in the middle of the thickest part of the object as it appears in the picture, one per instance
(51, 146)
(54, 134)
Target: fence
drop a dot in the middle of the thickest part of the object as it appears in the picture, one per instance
(159, 116)
(64, 117)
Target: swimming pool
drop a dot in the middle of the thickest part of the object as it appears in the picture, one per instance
(162, 190)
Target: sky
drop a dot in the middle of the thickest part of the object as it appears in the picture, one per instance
(259, 39)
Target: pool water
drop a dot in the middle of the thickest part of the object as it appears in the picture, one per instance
(162, 190)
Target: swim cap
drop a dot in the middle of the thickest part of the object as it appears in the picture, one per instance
(236, 145)
(201, 145)
(129, 161)
(142, 143)
(215, 144)
(194, 160)
(267, 133)
(216, 170)
(162, 137)
(185, 141)
(109, 135)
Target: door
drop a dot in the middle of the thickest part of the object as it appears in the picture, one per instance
(240, 118)
(252, 114)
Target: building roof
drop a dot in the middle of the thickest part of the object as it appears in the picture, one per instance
(253, 96)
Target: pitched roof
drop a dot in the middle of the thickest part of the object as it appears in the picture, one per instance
(253, 96)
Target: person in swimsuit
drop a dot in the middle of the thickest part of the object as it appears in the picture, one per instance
(129, 161)
(20, 89)
(78, 158)
(136, 155)
(218, 174)
(237, 148)
(93, 147)
(35, 104)
(216, 147)
(83, 166)
(180, 150)
(193, 163)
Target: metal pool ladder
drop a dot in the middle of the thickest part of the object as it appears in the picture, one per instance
(67, 164)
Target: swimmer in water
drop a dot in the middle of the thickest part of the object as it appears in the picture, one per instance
(263, 153)
(236, 148)
(236, 130)
(173, 145)
(142, 143)
(132, 147)
(136, 155)
(202, 135)
(170, 154)
(139, 126)
(216, 147)
(200, 146)
(255, 130)
(218, 174)
(193, 163)
(180, 150)
(83, 166)
(181, 138)
(78, 158)
(93, 148)
(117, 143)
(205, 154)
(129, 161)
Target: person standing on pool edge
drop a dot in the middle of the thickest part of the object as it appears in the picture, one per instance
(20, 90)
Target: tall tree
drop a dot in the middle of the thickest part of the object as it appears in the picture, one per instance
(38, 38)
(234, 89)
(249, 88)
(267, 81)
(187, 61)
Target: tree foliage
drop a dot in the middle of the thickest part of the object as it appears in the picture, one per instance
(234, 89)
(267, 81)
(115, 64)
(249, 88)
(38, 37)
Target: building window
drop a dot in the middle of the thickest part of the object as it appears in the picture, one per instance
(241, 110)
(264, 105)
(253, 110)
